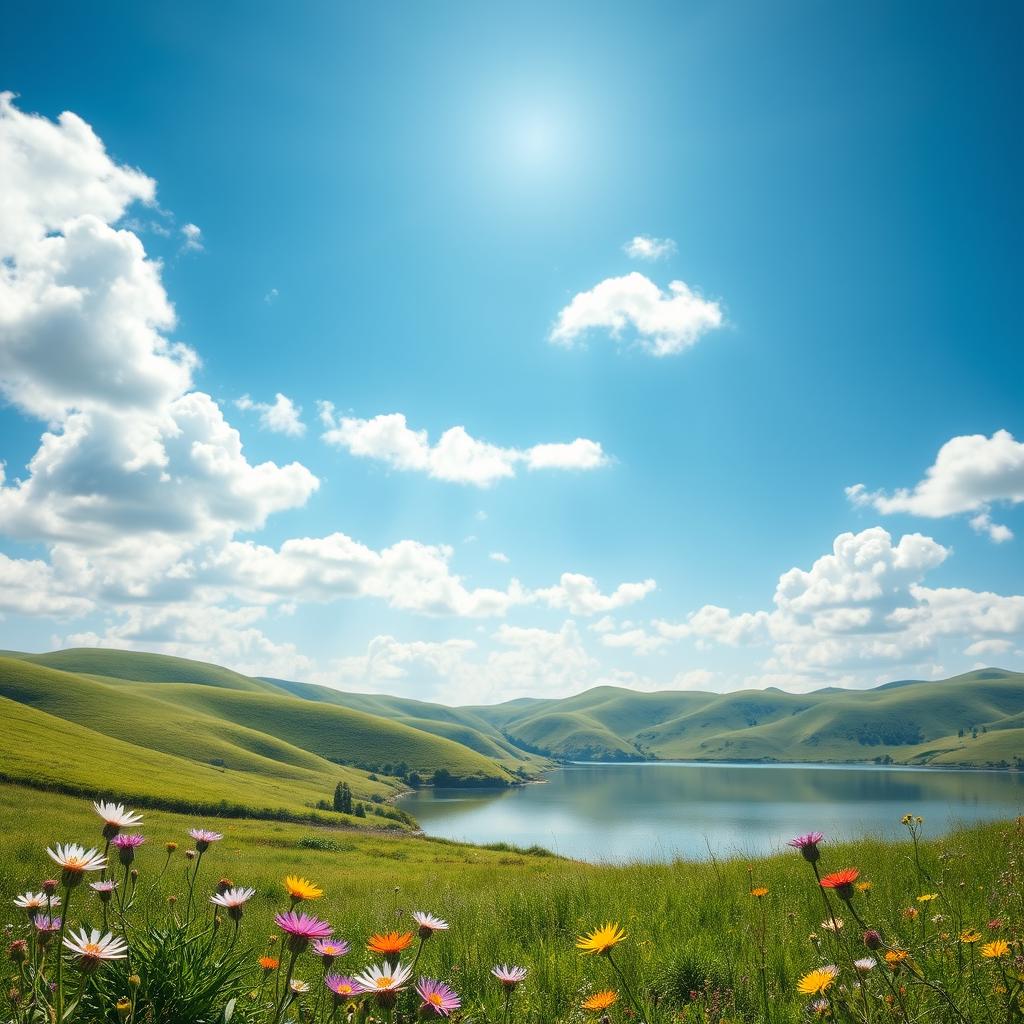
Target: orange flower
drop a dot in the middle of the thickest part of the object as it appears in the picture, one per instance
(761, 890)
(894, 957)
(601, 1000)
(268, 963)
(389, 943)
(995, 950)
(841, 882)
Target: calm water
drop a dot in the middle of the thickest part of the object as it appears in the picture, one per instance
(614, 812)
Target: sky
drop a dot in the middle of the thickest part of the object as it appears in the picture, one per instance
(476, 351)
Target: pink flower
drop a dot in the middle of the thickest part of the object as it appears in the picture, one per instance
(126, 844)
(328, 951)
(343, 987)
(204, 838)
(301, 929)
(437, 997)
(428, 924)
(508, 975)
(808, 845)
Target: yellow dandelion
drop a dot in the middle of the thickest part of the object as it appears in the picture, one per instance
(970, 935)
(816, 982)
(927, 897)
(601, 940)
(302, 889)
(995, 950)
(761, 890)
(894, 957)
(864, 886)
(601, 1000)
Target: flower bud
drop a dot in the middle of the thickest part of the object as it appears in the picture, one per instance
(18, 951)
(124, 1007)
(872, 939)
(134, 981)
(50, 886)
(170, 847)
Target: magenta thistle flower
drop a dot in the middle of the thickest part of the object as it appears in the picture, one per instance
(126, 843)
(301, 929)
(509, 975)
(808, 845)
(204, 838)
(437, 997)
(428, 924)
(343, 987)
(328, 951)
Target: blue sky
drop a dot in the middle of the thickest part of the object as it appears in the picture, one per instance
(395, 207)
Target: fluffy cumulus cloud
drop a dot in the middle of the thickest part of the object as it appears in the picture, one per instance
(582, 596)
(282, 416)
(457, 456)
(646, 247)
(970, 473)
(192, 238)
(860, 612)
(633, 306)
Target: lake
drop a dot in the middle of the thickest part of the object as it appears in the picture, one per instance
(663, 810)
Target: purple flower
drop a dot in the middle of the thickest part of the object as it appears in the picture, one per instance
(204, 838)
(509, 975)
(437, 997)
(343, 987)
(808, 845)
(328, 951)
(126, 844)
(301, 929)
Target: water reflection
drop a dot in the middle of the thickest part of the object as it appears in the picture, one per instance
(672, 809)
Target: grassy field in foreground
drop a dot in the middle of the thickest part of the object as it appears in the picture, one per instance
(697, 937)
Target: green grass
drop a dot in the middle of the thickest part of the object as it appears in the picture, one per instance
(688, 923)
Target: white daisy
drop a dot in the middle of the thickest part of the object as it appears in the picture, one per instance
(384, 977)
(116, 816)
(76, 860)
(91, 947)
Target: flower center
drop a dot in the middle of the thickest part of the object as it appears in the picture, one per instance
(91, 949)
(384, 982)
(434, 998)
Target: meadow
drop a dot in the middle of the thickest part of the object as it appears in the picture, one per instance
(715, 942)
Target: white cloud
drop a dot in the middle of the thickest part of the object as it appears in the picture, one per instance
(665, 323)
(499, 556)
(645, 247)
(32, 587)
(987, 647)
(582, 596)
(694, 679)
(457, 456)
(638, 640)
(192, 237)
(283, 416)
(969, 473)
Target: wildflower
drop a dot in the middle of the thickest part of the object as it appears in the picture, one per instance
(46, 927)
(389, 944)
(190, 855)
(873, 939)
(343, 987)
(127, 843)
(894, 957)
(329, 951)
(601, 1000)
(75, 860)
(817, 982)
(820, 1007)
(92, 949)
(438, 999)
(50, 886)
(384, 982)
(865, 964)
(995, 950)
(33, 902)
(863, 887)
(224, 884)
(509, 975)
(428, 924)
(115, 817)
(970, 935)
(300, 889)
(761, 890)
(301, 929)
(601, 940)
(995, 924)
(233, 901)
(808, 845)
(298, 987)
(204, 838)
(911, 913)
(841, 882)
(268, 964)
(170, 848)
(123, 1007)
(927, 897)
(18, 951)
(833, 924)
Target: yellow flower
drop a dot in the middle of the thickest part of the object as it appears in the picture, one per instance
(302, 889)
(863, 886)
(761, 890)
(895, 956)
(601, 940)
(970, 935)
(601, 1000)
(815, 982)
(927, 897)
(994, 950)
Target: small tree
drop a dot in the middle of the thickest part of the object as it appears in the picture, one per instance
(343, 798)
(360, 811)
